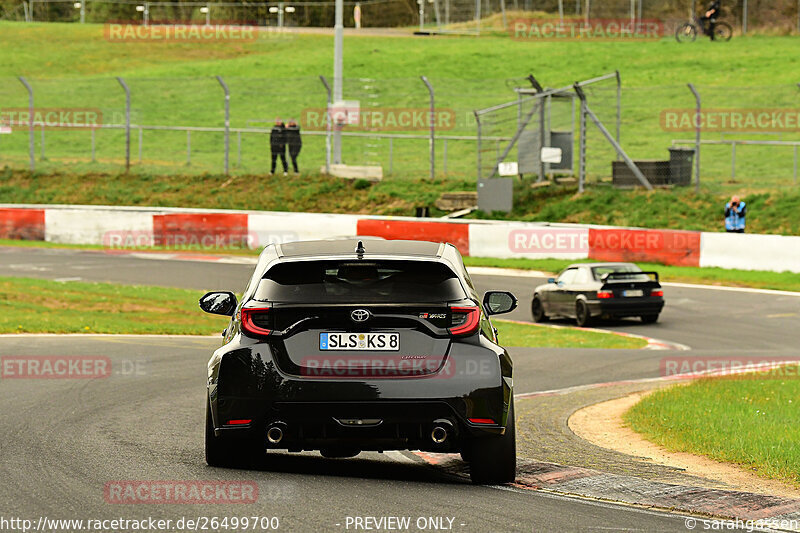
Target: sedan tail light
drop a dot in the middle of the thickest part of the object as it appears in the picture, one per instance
(255, 321)
(465, 320)
(657, 293)
(605, 294)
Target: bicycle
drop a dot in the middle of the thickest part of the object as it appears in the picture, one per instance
(687, 32)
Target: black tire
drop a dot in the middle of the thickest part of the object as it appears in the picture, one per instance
(582, 315)
(686, 33)
(224, 451)
(219, 452)
(537, 310)
(649, 319)
(723, 32)
(493, 460)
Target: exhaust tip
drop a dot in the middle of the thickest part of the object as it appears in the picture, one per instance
(439, 434)
(275, 433)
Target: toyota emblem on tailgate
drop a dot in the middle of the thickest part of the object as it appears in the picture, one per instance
(359, 315)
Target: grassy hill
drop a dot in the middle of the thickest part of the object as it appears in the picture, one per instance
(173, 84)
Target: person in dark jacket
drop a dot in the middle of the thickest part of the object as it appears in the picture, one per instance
(711, 15)
(277, 145)
(735, 213)
(294, 142)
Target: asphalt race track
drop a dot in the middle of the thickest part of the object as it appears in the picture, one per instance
(63, 440)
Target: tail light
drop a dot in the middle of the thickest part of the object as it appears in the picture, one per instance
(255, 321)
(605, 294)
(657, 293)
(481, 420)
(239, 422)
(465, 320)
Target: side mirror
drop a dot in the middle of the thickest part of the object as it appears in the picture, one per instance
(499, 302)
(551, 280)
(219, 303)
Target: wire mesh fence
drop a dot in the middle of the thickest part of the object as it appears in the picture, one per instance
(748, 135)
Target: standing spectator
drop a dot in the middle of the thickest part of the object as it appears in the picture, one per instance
(277, 145)
(735, 211)
(294, 141)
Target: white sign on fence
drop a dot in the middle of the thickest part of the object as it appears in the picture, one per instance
(508, 169)
(551, 155)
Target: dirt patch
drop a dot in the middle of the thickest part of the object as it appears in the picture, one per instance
(602, 425)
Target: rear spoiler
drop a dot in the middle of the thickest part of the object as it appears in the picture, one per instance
(627, 275)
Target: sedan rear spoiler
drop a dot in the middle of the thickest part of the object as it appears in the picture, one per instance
(626, 276)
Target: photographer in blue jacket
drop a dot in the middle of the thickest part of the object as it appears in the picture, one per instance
(735, 212)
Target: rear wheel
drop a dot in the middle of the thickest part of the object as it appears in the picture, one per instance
(493, 460)
(723, 32)
(225, 451)
(686, 33)
(537, 310)
(649, 319)
(582, 315)
(218, 450)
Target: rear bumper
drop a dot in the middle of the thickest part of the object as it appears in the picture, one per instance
(367, 414)
(623, 307)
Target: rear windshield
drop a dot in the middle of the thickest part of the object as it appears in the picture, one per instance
(635, 272)
(360, 282)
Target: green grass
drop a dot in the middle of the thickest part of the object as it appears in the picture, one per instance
(42, 306)
(512, 333)
(769, 212)
(758, 279)
(173, 83)
(750, 420)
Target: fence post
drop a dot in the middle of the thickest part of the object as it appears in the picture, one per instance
(31, 140)
(744, 17)
(83, 11)
(444, 169)
(188, 147)
(391, 154)
(93, 145)
(239, 149)
(697, 139)
(733, 161)
(127, 123)
(795, 164)
(227, 120)
(432, 123)
(141, 142)
(478, 139)
(619, 110)
(42, 157)
(582, 147)
(328, 127)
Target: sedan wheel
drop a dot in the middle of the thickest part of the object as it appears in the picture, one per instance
(537, 310)
(582, 315)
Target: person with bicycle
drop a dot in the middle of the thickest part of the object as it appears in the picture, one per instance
(710, 18)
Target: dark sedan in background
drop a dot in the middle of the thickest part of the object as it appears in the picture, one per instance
(586, 291)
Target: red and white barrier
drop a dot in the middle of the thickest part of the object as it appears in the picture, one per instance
(124, 227)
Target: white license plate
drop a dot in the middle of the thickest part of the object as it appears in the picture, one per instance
(378, 342)
(635, 293)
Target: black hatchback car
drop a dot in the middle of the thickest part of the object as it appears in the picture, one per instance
(586, 291)
(340, 347)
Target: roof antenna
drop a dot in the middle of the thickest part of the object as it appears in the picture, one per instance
(360, 250)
